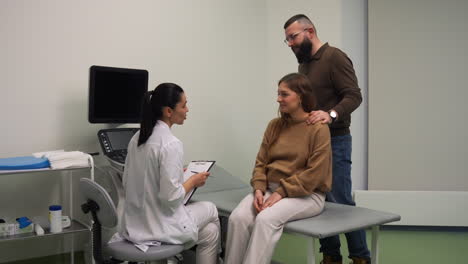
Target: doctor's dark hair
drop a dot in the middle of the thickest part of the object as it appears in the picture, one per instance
(165, 94)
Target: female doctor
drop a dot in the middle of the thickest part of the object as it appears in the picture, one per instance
(154, 184)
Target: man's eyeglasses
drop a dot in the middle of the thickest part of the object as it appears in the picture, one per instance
(293, 36)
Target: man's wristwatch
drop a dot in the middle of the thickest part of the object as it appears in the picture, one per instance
(333, 114)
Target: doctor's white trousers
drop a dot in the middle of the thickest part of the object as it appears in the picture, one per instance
(205, 215)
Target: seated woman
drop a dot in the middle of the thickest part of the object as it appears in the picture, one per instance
(154, 183)
(292, 173)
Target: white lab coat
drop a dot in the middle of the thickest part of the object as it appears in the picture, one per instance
(153, 178)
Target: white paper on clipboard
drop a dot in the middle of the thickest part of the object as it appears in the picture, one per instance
(195, 167)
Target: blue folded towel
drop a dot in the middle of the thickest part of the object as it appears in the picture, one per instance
(23, 222)
(23, 163)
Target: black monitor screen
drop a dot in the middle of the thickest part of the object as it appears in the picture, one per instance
(120, 139)
(115, 94)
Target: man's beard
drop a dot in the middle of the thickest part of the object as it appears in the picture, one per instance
(304, 51)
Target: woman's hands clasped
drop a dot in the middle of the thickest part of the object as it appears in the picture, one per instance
(258, 201)
(260, 205)
(274, 198)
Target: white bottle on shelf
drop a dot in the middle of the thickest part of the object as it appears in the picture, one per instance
(55, 218)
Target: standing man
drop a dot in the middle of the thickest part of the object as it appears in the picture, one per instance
(336, 88)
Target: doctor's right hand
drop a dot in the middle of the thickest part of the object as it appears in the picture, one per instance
(199, 179)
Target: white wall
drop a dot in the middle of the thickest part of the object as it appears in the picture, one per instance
(213, 49)
(417, 115)
(227, 55)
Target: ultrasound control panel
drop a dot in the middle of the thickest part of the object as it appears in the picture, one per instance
(114, 142)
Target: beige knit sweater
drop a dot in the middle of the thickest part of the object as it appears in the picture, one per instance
(300, 160)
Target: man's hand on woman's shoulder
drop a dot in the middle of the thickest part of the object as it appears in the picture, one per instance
(319, 116)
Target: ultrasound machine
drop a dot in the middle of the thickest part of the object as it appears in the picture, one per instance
(114, 142)
(115, 96)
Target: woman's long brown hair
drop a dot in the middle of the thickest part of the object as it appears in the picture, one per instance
(300, 84)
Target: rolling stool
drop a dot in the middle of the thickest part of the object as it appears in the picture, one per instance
(104, 213)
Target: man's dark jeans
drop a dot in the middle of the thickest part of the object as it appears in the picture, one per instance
(341, 193)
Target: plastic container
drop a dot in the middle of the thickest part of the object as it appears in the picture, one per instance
(55, 218)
